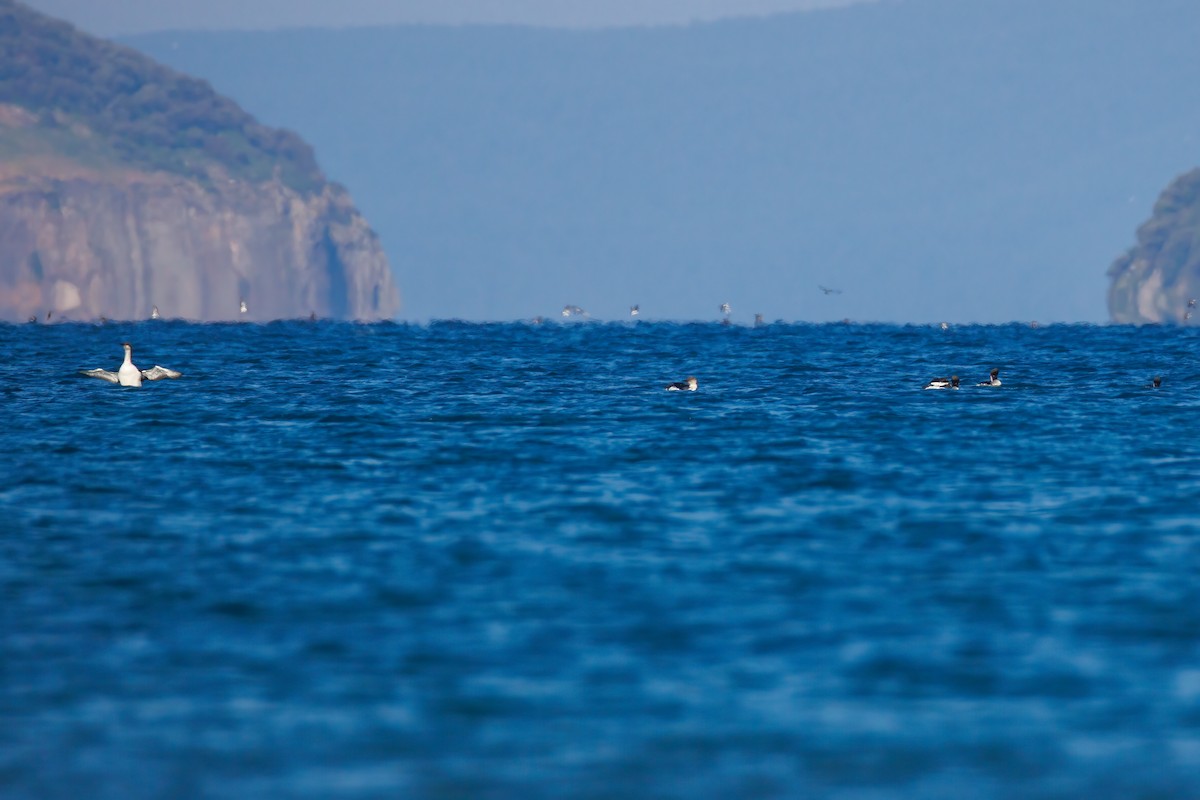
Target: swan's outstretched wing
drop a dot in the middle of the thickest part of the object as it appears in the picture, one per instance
(156, 373)
(102, 374)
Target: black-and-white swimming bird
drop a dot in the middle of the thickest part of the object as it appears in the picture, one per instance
(689, 385)
(128, 374)
(1156, 382)
(943, 383)
(994, 380)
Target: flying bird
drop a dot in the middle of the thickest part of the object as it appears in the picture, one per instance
(827, 290)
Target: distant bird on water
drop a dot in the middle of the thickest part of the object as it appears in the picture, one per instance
(634, 311)
(242, 307)
(993, 379)
(690, 385)
(1156, 382)
(725, 309)
(943, 383)
(154, 313)
(128, 374)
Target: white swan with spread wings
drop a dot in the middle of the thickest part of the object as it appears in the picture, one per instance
(128, 374)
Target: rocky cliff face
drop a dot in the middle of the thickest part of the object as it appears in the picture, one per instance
(84, 245)
(126, 186)
(1158, 280)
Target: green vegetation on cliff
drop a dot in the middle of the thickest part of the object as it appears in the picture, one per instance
(102, 104)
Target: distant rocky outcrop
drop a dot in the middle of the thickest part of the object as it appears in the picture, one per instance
(125, 186)
(1158, 280)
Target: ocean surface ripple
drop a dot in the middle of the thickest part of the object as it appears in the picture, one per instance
(500, 561)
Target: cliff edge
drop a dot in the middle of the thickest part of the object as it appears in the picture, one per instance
(125, 186)
(1158, 279)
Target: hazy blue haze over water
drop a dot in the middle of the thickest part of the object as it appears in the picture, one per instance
(494, 561)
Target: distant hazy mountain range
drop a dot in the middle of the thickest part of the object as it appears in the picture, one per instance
(124, 17)
(931, 159)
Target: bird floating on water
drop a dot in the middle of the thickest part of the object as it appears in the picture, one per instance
(1156, 382)
(573, 311)
(634, 311)
(943, 383)
(689, 385)
(128, 374)
(993, 379)
(242, 307)
(154, 313)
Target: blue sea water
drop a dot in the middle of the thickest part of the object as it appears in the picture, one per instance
(500, 561)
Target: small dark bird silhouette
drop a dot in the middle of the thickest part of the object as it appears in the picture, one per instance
(1156, 382)
(827, 290)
